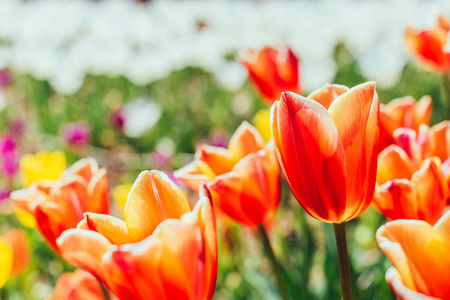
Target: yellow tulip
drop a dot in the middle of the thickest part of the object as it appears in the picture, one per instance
(42, 165)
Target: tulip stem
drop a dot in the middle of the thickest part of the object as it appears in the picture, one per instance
(446, 86)
(104, 290)
(273, 260)
(344, 264)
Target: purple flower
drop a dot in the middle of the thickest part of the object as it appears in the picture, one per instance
(76, 134)
(5, 77)
(117, 119)
(17, 127)
(9, 156)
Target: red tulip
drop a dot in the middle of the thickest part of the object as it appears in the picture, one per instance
(161, 250)
(58, 205)
(403, 112)
(244, 179)
(327, 145)
(272, 72)
(428, 45)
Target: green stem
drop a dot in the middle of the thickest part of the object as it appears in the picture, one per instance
(273, 260)
(344, 264)
(104, 290)
(446, 86)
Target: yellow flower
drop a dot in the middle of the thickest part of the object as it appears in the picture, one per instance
(42, 165)
(262, 122)
(119, 195)
(6, 261)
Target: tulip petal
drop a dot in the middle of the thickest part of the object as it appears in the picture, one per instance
(359, 135)
(194, 173)
(79, 285)
(245, 140)
(394, 163)
(84, 249)
(153, 199)
(98, 193)
(327, 94)
(395, 282)
(396, 199)
(308, 148)
(85, 168)
(414, 248)
(115, 230)
(217, 158)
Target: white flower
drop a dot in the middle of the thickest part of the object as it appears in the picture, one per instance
(140, 116)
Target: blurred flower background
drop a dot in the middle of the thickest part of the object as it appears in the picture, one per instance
(142, 85)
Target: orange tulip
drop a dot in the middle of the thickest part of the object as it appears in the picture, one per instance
(79, 285)
(272, 72)
(428, 45)
(327, 145)
(403, 112)
(419, 254)
(14, 254)
(161, 250)
(436, 140)
(244, 179)
(58, 205)
(420, 196)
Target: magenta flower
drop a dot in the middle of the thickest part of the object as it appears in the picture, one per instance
(76, 134)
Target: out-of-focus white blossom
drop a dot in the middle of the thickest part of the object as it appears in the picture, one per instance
(140, 115)
(51, 39)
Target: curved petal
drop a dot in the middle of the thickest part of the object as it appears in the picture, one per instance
(153, 199)
(401, 291)
(327, 94)
(115, 230)
(394, 163)
(359, 134)
(438, 143)
(85, 249)
(415, 248)
(431, 191)
(98, 193)
(85, 168)
(422, 113)
(217, 158)
(309, 149)
(245, 140)
(194, 173)
(207, 222)
(396, 199)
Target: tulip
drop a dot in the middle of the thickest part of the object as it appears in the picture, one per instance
(436, 140)
(244, 179)
(42, 165)
(57, 205)
(261, 120)
(428, 46)
(421, 196)
(327, 146)
(79, 285)
(419, 254)
(272, 71)
(161, 250)
(9, 156)
(14, 254)
(403, 112)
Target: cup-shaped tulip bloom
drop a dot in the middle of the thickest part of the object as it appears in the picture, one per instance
(14, 254)
(428, 45)
(327, 145)
(58, 205)
(403, 112)
(272, 72)
(420, 196)
(419, 253)
(161, 250)
(79, 285)
(435, 141)
(244, 179)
